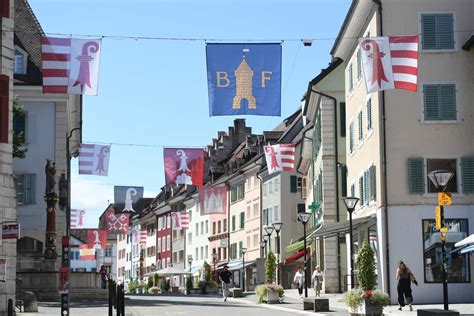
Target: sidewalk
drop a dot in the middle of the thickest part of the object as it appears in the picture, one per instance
(293, 303)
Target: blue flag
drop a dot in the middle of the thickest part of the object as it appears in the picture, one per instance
(244, 79)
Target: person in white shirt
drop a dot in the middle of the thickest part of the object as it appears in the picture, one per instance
(299, 280)
(317, 279)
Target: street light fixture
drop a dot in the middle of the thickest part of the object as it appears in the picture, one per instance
(277, 227)
(244, 250)
(263, 245)
(351, 203)
(190, 261)
(269, 231)
(440, 179)
(304, 218)
(214, 261)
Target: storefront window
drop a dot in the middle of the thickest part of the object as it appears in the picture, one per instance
(458, 264)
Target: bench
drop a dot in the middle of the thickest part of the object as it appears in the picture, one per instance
(316, 304)
(236, 292)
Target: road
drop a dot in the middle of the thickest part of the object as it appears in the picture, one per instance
(164, 305)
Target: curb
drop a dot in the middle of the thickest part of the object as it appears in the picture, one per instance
(275, 307)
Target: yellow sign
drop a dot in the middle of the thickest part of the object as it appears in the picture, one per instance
(444, 199)
(438, 218)
(442, 236)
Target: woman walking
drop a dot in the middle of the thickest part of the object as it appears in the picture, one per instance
(299, 280)
(317, 279)
(404, 277)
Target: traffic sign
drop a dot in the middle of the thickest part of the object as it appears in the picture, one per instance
(438, 218)
(444, 199)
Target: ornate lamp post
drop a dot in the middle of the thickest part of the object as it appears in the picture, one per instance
(50, 198)
(265, 240)
(304, 218)
(263, 245)
(440, 179)
(351, 203)
(269, 231)
(277, 227)
(214, 261)
(244, 250)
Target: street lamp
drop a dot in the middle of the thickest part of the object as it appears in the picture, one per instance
(214, 260)
(265, 240)
(304, 218)
(351, 203)
(263, 245)
(440, 179)
(244, 250)
(190, 261)
(269, 231)
(277, 227)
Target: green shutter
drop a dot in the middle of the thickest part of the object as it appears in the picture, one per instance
(293, 184)
(447, 93)
(344, 181)
(369, 114)
(361, 190)
(431, 100)
(342, 118)
(359, 64)
(416, 175)
(241, 245)
(373, 183)
(359, 121)
(445, 31)
(351, 137)
(467, 169)
(428, 30)
(351, 80)
(353, 190)
(242, 220)
(233, 222)
(366, 187)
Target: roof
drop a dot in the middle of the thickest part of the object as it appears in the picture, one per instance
(344, 25)
(28, 33)
(469, 44)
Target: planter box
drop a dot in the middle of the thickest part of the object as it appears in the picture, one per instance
(436, 312)
(236, 292)
(272, 297)
(366, 309)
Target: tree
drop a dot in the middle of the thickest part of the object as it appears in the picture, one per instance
(366, 267)
(19, 141)
(207, 271)
(270, 266)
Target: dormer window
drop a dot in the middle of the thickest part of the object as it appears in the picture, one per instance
(21, 60)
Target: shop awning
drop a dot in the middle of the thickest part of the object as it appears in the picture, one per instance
(467, 249)
(294, 257)
(465, 241)
(327, 230)
(236, 265)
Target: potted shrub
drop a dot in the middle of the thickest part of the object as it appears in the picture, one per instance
(189, 285)
(366, 300)
(269, 292)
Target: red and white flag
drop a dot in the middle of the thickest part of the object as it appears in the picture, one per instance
(70, 65)
(94, 159)
(280, 157)
(143, 235)
(97, 239)
(390, 62)
(213, 200)
(77, 218)
(184, 166)
(86, 253)
(179, 220)
(117, 221)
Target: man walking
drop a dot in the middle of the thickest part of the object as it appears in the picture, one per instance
(225, 277)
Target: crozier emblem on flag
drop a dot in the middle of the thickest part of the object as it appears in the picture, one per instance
(70, 65)
(280, 157)
(179, 220)
(77, 218)
(213, 200)
(184, 166)
(94, 159)
(96, 239)
(390, 62)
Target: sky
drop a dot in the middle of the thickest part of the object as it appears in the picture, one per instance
(154, 92)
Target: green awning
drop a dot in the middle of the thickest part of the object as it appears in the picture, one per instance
(295, 246)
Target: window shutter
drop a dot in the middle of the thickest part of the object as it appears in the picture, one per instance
(431, 98)
(373, 184)
(359, 64)
(361, 191)
(366, 187)
(293, 184)
(301, 208)
(344, 181)
(5, 7)
(369, 114)
(447, 98)
(351, 137)
(467, 169)
(445, 31)
(353, 190)
(342, 118)
(4, 108)
(351, 80)
(359, 121)
(242, 220)
(416, 175)
(29, 188)
(428, 29)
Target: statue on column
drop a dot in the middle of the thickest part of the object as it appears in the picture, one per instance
(51, 199)
(50, 170)
(63, 191)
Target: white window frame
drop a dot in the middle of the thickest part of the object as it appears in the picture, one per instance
(25, 61)
(422, 103)
(455, 35)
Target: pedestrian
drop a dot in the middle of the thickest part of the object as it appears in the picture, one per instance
(103, 277)
(225, 277)
(405, 277)
(299, 280)
(317, 279)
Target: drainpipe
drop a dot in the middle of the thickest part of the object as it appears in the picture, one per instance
(228, 220)
(262, 250)
(336, 155)
(384, 169)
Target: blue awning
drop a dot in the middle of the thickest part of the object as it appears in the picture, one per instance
(467, 249)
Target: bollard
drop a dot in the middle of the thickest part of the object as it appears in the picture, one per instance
(110, 298)
(10, 307)
(122, 299)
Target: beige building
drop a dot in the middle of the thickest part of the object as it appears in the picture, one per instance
(395, 138)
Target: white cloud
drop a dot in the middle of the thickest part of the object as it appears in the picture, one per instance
(92, 196)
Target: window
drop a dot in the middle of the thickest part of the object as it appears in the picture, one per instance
(25, 185)
(213, 228)
(276, 213)
(168, 221)
(270, 187)
(248, 241)
(418, 174)
(242, 220)
(249, 215)
(233, 222)
(219, 227)
(361, 190)
(361, 129)
(351, 137)
(196, 252)
(369, 115)
(190, 238)
(342, 118)
(241, 245)
(265, 216)
(197, 229)
(256, 210)
(168, 242)
(372, 184)
(159, 245)
(437, 31)
(21, 59)
(459, 270)
(255, 241)
(19, 124)
(4, 107)
(207, 226)
(442, 164)
(249, 184)
(202, 228)
(206, 252)
(233, 251)
(359, 64)
(439, 102)
(237, 192)
(351, 80)
(225, 225)
(108, 252)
